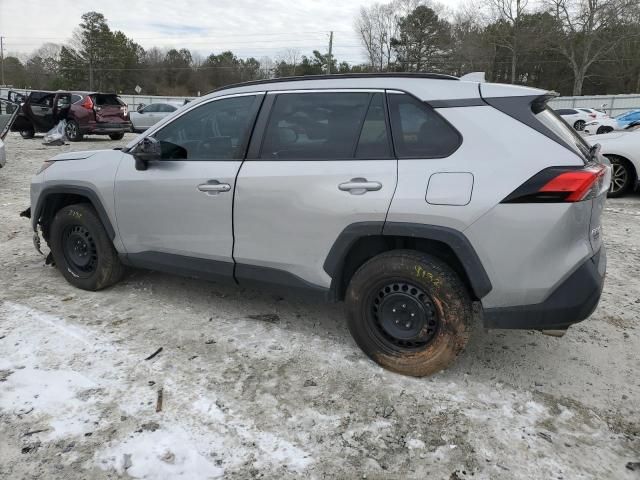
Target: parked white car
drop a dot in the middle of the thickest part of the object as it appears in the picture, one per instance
(151, 114)
(622, 148)
(579, 117)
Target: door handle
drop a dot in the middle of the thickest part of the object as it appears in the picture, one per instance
(213, 187)
(359, 186)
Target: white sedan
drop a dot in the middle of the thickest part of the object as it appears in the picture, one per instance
(151, 114)
(579, 117)
(622, 148)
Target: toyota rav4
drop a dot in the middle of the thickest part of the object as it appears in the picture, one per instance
(423, 201)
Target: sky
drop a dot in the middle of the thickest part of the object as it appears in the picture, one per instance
(255, 28)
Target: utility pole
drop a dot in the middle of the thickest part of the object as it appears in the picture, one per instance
(1, 61)
(330, 53)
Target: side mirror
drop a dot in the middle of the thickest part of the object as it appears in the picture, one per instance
(148, 150)
(140, 108)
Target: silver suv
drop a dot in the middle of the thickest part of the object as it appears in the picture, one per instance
(410, 197)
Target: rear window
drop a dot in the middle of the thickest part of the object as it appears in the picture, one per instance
(568, 135)
(103, 100)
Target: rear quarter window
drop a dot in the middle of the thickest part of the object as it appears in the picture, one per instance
(562, 130)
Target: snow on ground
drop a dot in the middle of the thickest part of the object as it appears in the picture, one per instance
(293, 397)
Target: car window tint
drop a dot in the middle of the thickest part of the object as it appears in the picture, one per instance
(44, 99)
(418, 131)
(217, 130)
(151, 108)
(103, 100)
(322, 126)
(165, 108)
(75, 98)
(374, 137)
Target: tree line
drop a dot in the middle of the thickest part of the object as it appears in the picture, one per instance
(571, 46)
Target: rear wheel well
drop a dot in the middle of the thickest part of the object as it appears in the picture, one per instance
(368, 247)
(52, 204)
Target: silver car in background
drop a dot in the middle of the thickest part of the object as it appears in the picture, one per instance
(148, 115)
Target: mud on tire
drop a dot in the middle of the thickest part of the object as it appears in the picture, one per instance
(82, 250)
(409, 312)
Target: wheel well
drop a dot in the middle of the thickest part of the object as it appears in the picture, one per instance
(368, 247)
(52, 204)
(628, 162)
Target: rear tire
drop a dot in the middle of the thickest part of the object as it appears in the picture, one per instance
(72, 131)
(623, 176)
(579, 125)
(116, 136)
(82, 250)
(409, 312)
(603, 130)
(27, 134)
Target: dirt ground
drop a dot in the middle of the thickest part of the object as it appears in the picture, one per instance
(255, 385)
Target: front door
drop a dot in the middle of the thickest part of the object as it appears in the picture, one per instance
(325, 163)
(178, 213)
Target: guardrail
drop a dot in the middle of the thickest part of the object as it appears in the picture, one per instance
(612, 104)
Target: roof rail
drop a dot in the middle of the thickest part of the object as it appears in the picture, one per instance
(433, 76)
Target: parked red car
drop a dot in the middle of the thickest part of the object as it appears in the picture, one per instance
(86, 113)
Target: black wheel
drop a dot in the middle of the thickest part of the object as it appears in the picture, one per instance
(116, 136)
(27, 133)
(603, 130)
(72, 131)
(579, 125)
(82, 250)
(622, 176)
(409, 312)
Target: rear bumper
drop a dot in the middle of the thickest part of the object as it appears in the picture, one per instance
(105, 128)
(571, 302)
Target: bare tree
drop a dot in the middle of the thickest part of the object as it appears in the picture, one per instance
(376, 26)
(290, 57)
(590, 31)
(508, 13)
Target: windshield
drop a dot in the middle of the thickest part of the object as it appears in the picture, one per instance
(563, 130)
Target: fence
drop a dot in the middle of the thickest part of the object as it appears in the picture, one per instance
(612, 104)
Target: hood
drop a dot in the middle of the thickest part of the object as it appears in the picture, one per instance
(75, 155)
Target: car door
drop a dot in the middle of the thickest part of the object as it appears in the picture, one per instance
(39, 109)
(177, 214)
(324, 163)
(146, 117)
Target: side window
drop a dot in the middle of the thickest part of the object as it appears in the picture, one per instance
(153, 108)
(418, 131)
(322, 126)
(75, 98)
(217, 130)
(164, 108)
(374, 137)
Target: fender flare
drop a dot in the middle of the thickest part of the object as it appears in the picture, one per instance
(456, 240)
(74, 190)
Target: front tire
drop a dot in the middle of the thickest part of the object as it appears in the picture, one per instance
(27, 134)
(409, 312)
(72, 131)
(82, 250)
(579, 125)
(622, 177)
(116, 136)
(603, 130)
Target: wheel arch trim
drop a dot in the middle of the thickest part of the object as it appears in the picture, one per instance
(87, 192)
(456, 240)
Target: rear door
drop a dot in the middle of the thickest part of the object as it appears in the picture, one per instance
(179, 211)
(324, 163)
(39, 109)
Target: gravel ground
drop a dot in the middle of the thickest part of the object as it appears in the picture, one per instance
(255, 385)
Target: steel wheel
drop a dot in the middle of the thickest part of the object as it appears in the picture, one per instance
(403, 316)
(80, 250)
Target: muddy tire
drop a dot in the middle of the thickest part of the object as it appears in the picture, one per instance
(72, 131)
(409, 312)
(116, 136)
(26, 134)
(82, 250)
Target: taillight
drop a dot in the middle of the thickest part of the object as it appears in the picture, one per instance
(87, 103)
(561, 184)
(592, 115)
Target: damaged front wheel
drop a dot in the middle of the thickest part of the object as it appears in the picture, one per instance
(82, 250)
